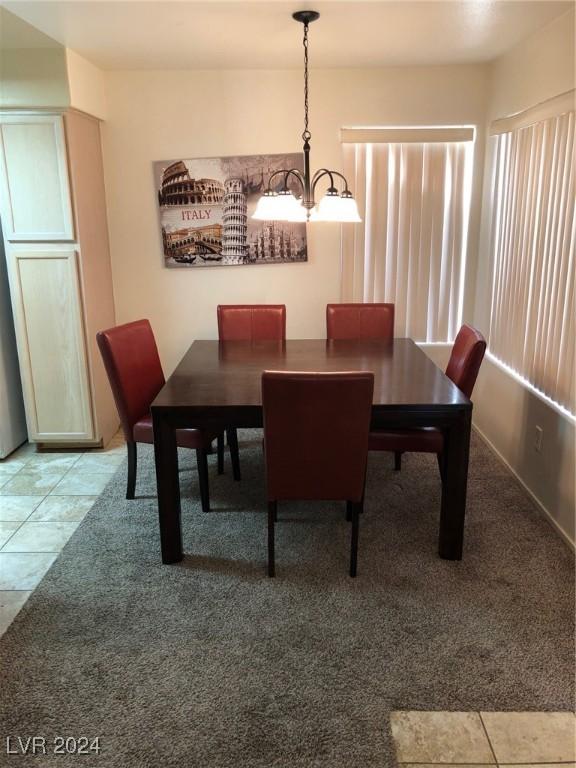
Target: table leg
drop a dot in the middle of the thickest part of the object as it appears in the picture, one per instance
(453, 511)
(168, 489)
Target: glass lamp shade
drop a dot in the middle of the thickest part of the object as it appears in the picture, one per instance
(266, 207)
(281, 206)
(349, 209)
(292, 208)
(335, 207)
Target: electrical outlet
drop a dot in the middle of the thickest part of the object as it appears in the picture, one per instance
(538, 436)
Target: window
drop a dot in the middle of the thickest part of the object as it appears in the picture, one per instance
(413, 193)
(532, 326)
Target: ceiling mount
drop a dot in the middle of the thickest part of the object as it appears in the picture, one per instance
(306, 17)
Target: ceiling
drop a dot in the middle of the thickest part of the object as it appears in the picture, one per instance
(219, 35)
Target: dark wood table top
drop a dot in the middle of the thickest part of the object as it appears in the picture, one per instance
(215, 375)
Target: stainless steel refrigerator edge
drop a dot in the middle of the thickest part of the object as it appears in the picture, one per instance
(13, 430)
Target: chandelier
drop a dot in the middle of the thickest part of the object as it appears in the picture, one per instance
(279, 203)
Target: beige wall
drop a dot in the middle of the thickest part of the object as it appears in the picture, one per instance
(32, 66)
(59, 78)
(87, 85)
(531, 72)
(33, 78)
(170, 115)
(507, 412)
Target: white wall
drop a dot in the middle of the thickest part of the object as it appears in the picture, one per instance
(506, 411)
(171, 115)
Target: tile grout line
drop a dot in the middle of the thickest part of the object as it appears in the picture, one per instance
(39, 470)
(21, 524)
(65, 473)
(26, 463)
(35, 552)
(15, 530)
(80, 455)
(45, 496)
(488, 737)
(27, 519)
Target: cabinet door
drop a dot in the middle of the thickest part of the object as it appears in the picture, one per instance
(34, 174)
(51, 345)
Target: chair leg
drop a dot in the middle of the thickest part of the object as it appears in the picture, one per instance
(356, 509)
(202, 463)
(441, 465)
(132, 462)
(397, 460)
(272, 516)
(232, 437)
(348, 511)
(220, 450)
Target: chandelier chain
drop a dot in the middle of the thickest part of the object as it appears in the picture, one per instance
(295, 200)
(306, 135)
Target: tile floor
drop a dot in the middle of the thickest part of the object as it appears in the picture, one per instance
(456, 739)
(45, 496)
(43, 499)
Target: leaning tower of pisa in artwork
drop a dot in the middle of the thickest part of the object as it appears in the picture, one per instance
(234, 222)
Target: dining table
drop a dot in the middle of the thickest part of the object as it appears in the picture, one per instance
(217, 385)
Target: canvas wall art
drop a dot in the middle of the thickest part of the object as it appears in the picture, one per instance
(206, 207)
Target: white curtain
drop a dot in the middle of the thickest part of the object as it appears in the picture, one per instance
(410, 249)
(533, 322)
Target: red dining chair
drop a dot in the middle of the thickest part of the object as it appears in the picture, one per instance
(360, 321)
(463, 366)
(249, 322)
(300, 408)
(135, 373)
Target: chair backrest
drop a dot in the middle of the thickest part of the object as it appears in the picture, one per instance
(134, 370)
(316, 429)
(360, 321)
(466, 358)
(252, 322)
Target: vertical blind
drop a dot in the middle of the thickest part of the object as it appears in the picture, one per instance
(532, 327)
(414, 201)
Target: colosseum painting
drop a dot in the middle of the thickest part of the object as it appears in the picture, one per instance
(206, 207)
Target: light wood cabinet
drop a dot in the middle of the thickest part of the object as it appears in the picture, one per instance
(36, 194)
(61, 292)
(53, 361)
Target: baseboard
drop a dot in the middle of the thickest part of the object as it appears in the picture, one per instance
(541, 508)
